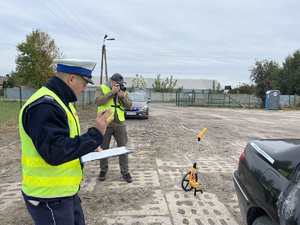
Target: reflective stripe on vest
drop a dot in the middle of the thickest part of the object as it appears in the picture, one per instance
(39, 179)
(110, 104)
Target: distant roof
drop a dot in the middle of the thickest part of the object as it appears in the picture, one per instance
(200, 84)
(185, 83)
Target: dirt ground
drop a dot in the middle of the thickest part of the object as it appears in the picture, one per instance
(165, 147)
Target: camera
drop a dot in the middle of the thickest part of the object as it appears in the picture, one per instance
(122, 86)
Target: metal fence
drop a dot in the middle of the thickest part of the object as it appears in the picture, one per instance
(217, 100)
(287, 101)
(12, 100)
(21, 94)
(87, 97)
(168, 97)
(194, 98)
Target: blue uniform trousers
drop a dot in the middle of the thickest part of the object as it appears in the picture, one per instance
(60, 211)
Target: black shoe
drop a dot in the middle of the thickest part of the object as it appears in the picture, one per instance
(127, 177)
(102, 176)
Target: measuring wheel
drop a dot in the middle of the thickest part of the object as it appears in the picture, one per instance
(185, 184)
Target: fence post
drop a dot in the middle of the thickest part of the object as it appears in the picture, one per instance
(20, 93)
(249, 101)
(207, 99)
(180, 99)
(193, 97)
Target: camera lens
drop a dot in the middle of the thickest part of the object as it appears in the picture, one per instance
(122, 87)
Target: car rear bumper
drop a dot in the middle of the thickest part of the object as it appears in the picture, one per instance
(243, 198)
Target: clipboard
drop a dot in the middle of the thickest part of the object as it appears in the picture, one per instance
(104, 154)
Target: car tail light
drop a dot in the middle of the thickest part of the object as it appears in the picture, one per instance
(242, 156)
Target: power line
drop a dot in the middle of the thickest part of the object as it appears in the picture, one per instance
(7, 44)
(57, 15)
(76, 19)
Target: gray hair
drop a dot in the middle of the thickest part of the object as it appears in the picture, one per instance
(62, 75)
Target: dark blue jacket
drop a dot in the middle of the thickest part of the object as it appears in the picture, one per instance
(47, 125)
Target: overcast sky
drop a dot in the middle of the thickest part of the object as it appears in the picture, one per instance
(211, 39)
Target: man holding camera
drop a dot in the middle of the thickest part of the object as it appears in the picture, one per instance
(114, 96)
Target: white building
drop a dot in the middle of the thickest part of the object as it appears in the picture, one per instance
(197, 84)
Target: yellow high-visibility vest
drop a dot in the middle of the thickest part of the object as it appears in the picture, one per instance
(111, 105)
(39, 179)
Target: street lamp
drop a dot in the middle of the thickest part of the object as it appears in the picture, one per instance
(103, 57)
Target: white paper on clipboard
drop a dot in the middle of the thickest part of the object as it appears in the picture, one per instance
(112, 152)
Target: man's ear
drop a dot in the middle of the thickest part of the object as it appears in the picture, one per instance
(70, 79)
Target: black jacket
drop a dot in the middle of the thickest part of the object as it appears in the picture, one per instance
(46, 123)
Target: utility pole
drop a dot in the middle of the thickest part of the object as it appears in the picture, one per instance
(104, 59)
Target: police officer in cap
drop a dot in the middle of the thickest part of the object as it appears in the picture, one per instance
(114, 96)
(52, 145)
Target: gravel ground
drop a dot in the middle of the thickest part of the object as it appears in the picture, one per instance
(165, 147)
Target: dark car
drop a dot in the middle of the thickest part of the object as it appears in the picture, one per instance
(267, 182)
(140, 105)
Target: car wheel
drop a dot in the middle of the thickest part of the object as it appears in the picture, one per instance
(263, 220)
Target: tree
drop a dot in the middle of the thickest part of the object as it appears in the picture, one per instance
(34, 63)
(265, 74)
(290, 76)
(244, 89)
(10, 80)
(218, 86)
(138, 82)
(168, 85)
(157, 84)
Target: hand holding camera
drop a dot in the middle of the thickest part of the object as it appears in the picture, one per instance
(122, 86)
(121, 94)
(119, 89)
(115, 88)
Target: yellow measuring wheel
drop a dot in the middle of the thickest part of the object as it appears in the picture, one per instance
(190, 181)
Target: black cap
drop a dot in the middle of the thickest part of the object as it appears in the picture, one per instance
(117, 77)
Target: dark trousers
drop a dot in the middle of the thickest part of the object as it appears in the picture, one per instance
(61, 211)
(120, 135)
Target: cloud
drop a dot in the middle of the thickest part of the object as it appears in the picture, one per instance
(196, 38)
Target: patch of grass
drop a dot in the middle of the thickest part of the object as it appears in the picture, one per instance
(9, 111)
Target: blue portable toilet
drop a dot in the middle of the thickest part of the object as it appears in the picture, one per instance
(272, 99)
